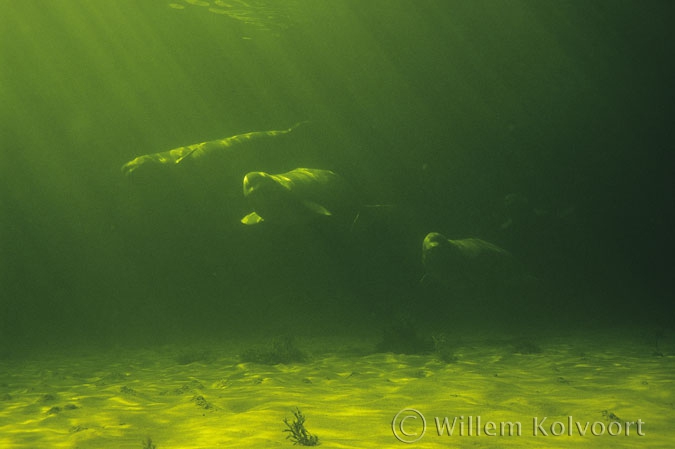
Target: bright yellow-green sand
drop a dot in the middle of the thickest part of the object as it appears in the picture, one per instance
(116, 398)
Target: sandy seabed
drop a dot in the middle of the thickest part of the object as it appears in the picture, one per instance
(617, 389)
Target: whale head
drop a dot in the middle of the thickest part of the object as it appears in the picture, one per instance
(268, 195)
(287, 198)
(440, 256)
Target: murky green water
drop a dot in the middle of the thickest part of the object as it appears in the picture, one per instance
(440, 109)
(542, 128)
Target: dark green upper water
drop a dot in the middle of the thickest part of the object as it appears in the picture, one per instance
(442, 108)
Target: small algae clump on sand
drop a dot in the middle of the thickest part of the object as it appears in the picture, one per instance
(187, 357)
(401, 337)
(443, 350)
(202, 402)
(283, 351)
(526, 347)
(298, 433)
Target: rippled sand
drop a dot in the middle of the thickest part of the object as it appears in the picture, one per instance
(201, 396)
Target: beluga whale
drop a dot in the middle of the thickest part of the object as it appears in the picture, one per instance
(298, 196)
(471, 261)
(148, 165)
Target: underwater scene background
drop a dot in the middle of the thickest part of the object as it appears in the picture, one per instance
(542, 127)
(442, 109)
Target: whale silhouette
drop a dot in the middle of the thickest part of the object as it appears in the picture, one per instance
(148, 164)
(469, 260)
(298, 196)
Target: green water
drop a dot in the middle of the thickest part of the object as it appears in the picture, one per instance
(440, 108)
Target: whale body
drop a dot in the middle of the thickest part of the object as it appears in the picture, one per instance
(149, 164)
(297, 196)
(469, 260)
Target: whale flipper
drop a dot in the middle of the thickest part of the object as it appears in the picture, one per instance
(316, 208)
(252, 219)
